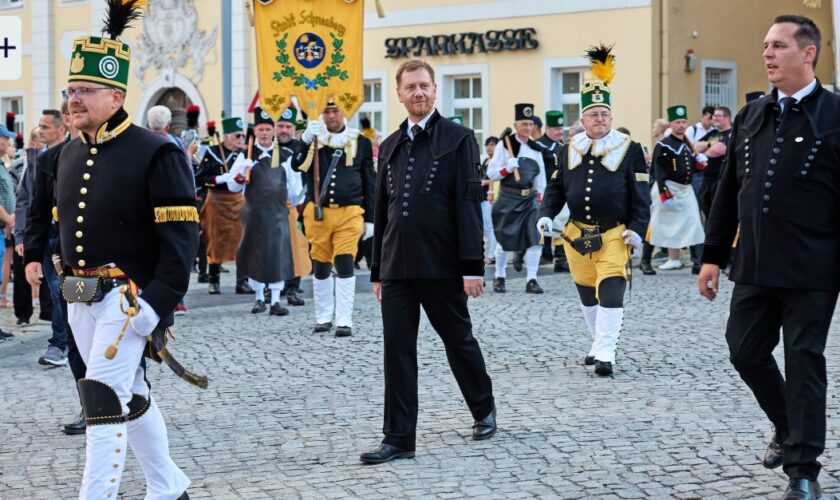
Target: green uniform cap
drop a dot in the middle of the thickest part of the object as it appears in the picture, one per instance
(553, 118)
(100, 60)
(457, 119)
(677, 112)
(289, 115)
(232, 125)
(594, 94)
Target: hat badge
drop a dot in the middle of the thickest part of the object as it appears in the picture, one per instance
(286, 114)
(264, 115)
(597, 97)
(527, 111)
(78, 63)
(239, 123)
(680, 111)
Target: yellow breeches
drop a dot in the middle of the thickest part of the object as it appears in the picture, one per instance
(337, 234)
(608, 262)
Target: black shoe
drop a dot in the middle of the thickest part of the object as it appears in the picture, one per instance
(77, 427)
(259, 307)
(322, 327)
(243, 289)
(533, 287)
(589, 360)
(293, 299)
(222, 269)
(5, 335)
(183, 496)
(278, 310)
(343, 331)
(560, 266)
(213, 289)
(603, 368)
(499, 285)
(485, 428)
(203, 278)
(800, 488)
(646, 268)
(775, 454)
(385, 453)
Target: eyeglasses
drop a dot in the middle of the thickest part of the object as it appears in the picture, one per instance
(238, 135)
(602, 115)
(81, 92)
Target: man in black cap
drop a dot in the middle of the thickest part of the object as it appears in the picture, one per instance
(519, 166)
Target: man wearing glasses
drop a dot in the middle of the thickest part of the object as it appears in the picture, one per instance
(220, 222)
(603, 178)
(128, 227)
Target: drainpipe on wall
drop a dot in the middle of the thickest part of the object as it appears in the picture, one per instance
(665, 71)
(227, 77)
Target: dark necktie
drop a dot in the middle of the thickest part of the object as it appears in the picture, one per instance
(415, 130)
(787, 102)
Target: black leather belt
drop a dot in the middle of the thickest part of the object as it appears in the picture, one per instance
(518, 192)
(603, 226)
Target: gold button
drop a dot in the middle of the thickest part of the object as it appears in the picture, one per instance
(78, 234)
(591, 171)
(591, 162)
(586, 198)
(589, 189)
(90, 163)
(86, 177)
(80, 219)
(588, 216)
(93, 151)
(82, 262)
(80, 248)
(83, 190)
(588, 180)
(587, 208)
(82, 204)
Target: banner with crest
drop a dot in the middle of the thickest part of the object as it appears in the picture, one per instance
(311, 49)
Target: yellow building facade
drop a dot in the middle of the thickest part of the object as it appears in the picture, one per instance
(488, 55)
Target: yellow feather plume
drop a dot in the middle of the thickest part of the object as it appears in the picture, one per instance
(602, 63)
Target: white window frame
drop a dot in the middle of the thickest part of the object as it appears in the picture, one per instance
(380, 107)
(553, 99)
(444, 79)
(719, 64)
(19, 117)
(12, 4)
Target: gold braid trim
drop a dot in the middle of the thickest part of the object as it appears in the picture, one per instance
(176, 214)
(307, 163)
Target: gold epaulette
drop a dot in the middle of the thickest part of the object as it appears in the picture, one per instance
(55, 214)
(176, 214)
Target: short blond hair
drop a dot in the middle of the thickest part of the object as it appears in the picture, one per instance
(414, 65)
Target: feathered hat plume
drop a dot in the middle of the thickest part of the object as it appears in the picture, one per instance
(193, 112)
(120, 14)
(602, 62)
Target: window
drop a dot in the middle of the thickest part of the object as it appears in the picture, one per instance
(14, 104)
(466, 100)
(719, 84)
(10, 4)
(563, 79)
(373, 104)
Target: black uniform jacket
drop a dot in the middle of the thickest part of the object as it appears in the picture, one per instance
(39, 218)
(673, 160)
(428, 205)
(595, 194)
(129, 200)
(550, 150)
(783, 188)
(212, 165)
(349, 185)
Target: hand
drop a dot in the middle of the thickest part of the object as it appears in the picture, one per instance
(146, 319)
(19, 249)
(192, 148)
(222, 179)
(669, 203)
(248, 163)
(511, 163)
(34, 273)
(368, 231)
(632, 238)
(313, 128)
(473, 288)
(239, 179)
(545, 225)
(707, 281)
(377, 291)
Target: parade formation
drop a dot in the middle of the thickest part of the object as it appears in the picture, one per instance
(118, 216)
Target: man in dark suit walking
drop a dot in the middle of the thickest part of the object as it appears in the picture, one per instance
(427, 251)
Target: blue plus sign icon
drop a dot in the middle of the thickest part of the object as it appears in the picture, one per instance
(11, 54)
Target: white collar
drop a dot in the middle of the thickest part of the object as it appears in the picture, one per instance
(799, 94)
(610, 148)
(423, 121)
(264, 151)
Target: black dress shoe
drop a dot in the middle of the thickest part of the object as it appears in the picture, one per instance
(775, 455)
(278, 310)
(243, 288)
(603, 368)
(322, 327)
(533, 287)
(385, 453)
(77, 427)
(293, 299)
(183, 496)
(499, 285)
(259, 307)
(343, 331)
(213, 289)
(646, 268)
(203, 278)
(589, 360)
(486, 427)
(800, 488)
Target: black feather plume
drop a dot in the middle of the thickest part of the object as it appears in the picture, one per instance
(120, 14)
(602, 62)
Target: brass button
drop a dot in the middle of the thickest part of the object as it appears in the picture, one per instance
(90, 163)
(93, 151)
(586, 198)
(591, 171)
(588, 189)
(82, 204)
(80, 219)
(587, 208)
(83, 190)
(82, 262)
(78, 234)
(116, 466)
(588, 216)
(117, 450)
(86, 177)
(79, 249)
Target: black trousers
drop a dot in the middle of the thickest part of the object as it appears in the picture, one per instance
(445, 304)
(22, 293)
(794, 403)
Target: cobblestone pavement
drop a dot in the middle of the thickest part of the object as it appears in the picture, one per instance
(288, 411)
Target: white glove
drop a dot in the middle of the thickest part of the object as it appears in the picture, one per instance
(313, 128)
(511, 163)
(223, 179)
(146, 319)
(669, 203)
(368, 231)
(545, 226)
(235, 187)
(631, 238)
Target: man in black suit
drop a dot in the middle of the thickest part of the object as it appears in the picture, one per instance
(427, 251)
(779, 185)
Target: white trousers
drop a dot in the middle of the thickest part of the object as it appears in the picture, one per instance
(487, 220)
(95, 327)
(334, 296)
(532, 261)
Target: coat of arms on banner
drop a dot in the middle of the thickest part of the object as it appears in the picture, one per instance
(310, 49)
